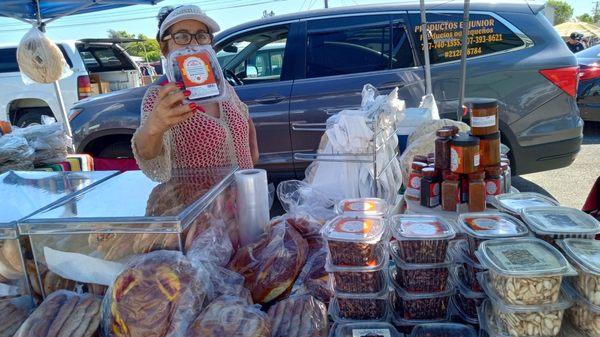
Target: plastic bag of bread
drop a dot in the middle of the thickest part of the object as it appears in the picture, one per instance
(14, 313)
(314, 279)
(40, 60)
(49, 141)
(230, 316)
(272, 264)
(211, 245)
(64, 314)
(299, 316)
(157, 295)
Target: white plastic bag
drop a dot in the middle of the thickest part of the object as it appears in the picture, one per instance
(40, 60)
(49, 141)
(414, 117)
(15, 153)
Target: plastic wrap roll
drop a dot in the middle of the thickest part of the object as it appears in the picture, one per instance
(252, 203)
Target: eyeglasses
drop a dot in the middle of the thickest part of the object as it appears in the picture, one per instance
(183, 38)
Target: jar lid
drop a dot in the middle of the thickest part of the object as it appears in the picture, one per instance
(482, 103)
(418, 166)
(493, 170)
(362, 229)
(430, 155)
(363, 206)
(420, 159)
(584, 253)
(515, 202)
(559, 220)
(476, 176)
(421, 227)
(523, 257)
(491, 225)
(444, 133)
(491, 136)
(429, 172)
(463, 139)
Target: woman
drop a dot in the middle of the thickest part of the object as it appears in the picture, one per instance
(174, 135)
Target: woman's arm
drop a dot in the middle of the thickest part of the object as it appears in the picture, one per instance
(253, 142)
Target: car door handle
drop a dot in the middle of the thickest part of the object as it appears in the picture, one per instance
(272, 99)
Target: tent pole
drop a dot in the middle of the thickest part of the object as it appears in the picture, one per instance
(463, 61)
(425, 35)
(63, 110)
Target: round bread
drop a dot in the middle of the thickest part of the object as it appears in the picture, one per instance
(11, 252)
(7, 271)
(39, 58)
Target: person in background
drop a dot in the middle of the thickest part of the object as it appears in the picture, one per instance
(174, 135)
(574, 42)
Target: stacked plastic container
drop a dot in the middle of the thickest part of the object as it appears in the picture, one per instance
(553, 223)
(357, 242)
(524, 282)
(478, 227)
(420, 276)
(585, 288)
(443, 330)
(514, 203)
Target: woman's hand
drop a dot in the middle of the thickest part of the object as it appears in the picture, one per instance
(169, 109)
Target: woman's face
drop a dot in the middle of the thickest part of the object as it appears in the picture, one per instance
(192, 27)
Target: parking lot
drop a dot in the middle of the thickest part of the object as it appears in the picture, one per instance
(569, 185)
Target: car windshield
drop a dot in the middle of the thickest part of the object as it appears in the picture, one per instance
(592, 52)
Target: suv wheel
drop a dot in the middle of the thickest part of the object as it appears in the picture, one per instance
(120, 149)
(31, 116)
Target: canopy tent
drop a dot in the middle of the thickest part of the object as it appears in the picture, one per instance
(587, 29)
(41, 12)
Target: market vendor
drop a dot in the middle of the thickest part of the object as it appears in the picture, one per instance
(177, 135)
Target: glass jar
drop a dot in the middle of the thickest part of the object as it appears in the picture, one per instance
(476, 192)
(420, 159)
(430, 188)
(464, 188)
(484, 116)
(464, 154)
(442, 149)
(493, 183)
(450, 192)
(489, 149)
(413, 190)
(507, 174)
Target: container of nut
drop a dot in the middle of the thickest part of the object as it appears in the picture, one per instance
(583, 315)
(443, 330)
(585, 256)
(357, 280)
(465, 300)
(406, 326)
(362, 206)
(422, 238)
(524, 271)
(518, 320)
(513, 203)
(552, 223)
(420, 277)
(459, 252)
(346, 307)
(365, 329)
(480, 227)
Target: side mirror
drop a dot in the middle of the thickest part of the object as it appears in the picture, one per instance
(251, 72)
(231, 49)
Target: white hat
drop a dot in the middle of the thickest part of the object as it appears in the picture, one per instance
(188, 12)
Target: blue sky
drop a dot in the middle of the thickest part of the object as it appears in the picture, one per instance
(141, 19)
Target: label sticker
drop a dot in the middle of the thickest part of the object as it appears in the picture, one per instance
(455, 158)
(524, 257)
(371, 333)
(483, 122)
(476, 159)
(198, 75)
(359, 206)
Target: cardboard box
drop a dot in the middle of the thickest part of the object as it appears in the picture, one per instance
(95, 88)
(104, 87)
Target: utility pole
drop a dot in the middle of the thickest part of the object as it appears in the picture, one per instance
(327, 4)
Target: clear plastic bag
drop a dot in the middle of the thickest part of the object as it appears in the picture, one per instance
(40, 60)
(299, 198)
(14, 311)
(15, 153)
(299, 316)
(271, 265)
(197, 67)
(314, 279)
(231, 316)
(49, 141)
(157, 295)
(213, 245)
(64, 313)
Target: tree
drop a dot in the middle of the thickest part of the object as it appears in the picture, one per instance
(586, 18)
(562, 11)
(149, 48)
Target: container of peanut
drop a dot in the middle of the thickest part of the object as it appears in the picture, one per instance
(552, 223)
(585, 256)
(524, 271)
(518, 320)
(356, 240)
(422, 238)
(480, 227)
(362, 206)
(584, 315)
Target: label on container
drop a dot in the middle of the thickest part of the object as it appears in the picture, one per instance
(422, 228)
(371, 333)
(476, 160)
(360, 206)
(455, 158)
(560, 222)
(355, 229)
(434, 194)
(493, 187)
(414, 187)
(483, 122)
(198, 75)
(493, 225)
(523, 257)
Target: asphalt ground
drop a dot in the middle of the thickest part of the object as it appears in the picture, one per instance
(570, 185)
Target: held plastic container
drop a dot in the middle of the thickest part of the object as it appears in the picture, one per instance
(365, 329)
(584, 315)
(466, 301)
(513, 203)
(585, 256)
(420, 277)
(472, 268)
(358, 280)
(359, 307)
(524, 271)
(551, 223)
(422, 238)
(480, 227)
(356, 241)
(197, 67)
(542, 320)
(443, 330)
(362, 206)
(421, 306)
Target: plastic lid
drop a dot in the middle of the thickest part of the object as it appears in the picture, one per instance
(523, 257)
(463, 139)
(584, 253)
(482, 103)
(515, 202)
(458, 274)
(559, 220)
(444, 133)
(418, 166)
(564, 300)
(421, 227)
(491, 136)
(406, 295)
(363, 206)
(354, 229)
(491, 225)
(443, 329)
(366, 329)
(381, 264)
(459, 310)
(459, 252)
